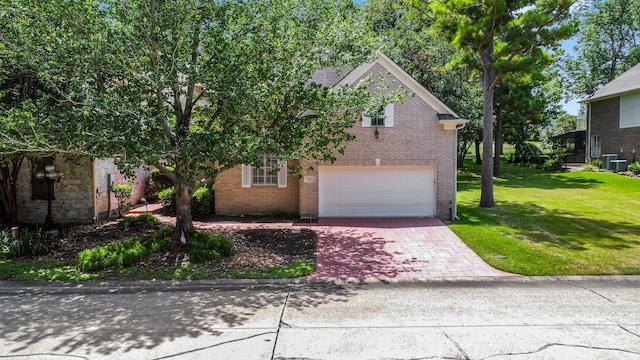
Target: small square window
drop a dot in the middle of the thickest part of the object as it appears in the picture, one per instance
(377, 119)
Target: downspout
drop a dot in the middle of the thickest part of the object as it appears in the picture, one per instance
(454, 209)
(95, 191)
(589, 130)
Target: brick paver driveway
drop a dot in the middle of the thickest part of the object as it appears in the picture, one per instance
(393, 249)
(415, 248)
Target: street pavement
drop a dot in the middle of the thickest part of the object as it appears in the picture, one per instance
(461, 318)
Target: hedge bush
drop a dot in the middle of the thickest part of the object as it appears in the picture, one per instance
(168, 199)
(200, 201)
(208, 247)
(157, 182)
(120, 254)
(122, 193)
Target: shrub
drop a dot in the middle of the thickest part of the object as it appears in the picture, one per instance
(168, 199)
(121, 254)
(278, 214)
(552, 165)
(138, 222)
(28, 243)
(201, 202)
(122, 193)
(527, 153)
(157, 182)
(590, 167)
(207, 247)
(597, 163)
(634, 167)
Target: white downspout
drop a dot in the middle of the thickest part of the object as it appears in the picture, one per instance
(95, 191)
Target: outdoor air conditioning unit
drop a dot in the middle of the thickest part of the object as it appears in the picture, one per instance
(606, 160)
(618, 165)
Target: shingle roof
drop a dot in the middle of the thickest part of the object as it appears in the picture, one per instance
(629, 81)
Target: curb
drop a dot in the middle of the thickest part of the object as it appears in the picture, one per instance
(106, 287)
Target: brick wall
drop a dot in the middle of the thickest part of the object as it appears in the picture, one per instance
(416, 139)
(232, 199)
(605, 122)
(106, 202)
(73, 194)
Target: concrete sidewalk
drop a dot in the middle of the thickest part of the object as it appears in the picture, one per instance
(495, 318)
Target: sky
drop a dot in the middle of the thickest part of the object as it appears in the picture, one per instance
(572, 107)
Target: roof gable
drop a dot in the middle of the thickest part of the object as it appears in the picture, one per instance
(407, 80)
(628, 82)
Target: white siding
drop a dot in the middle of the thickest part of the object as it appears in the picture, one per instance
(630, 111)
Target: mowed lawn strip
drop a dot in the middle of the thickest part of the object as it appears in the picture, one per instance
(570, 223)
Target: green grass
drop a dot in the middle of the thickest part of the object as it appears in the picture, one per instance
(301, 268)
(573, 223)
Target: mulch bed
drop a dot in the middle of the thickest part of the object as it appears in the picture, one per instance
(255, 249)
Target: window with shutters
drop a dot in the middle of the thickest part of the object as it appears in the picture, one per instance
(267, 174)
(271, 171)
(382, 117)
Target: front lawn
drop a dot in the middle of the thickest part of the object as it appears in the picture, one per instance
(571, 223)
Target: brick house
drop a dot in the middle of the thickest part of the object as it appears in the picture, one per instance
(613, 118)
(401, 165)
(82, 195)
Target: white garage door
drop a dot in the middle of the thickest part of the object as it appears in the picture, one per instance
(384, 191)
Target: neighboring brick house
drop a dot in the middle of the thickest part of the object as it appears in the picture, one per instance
(82, 195)
(402, 165)
(613, 118)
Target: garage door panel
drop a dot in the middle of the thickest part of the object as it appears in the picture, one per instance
(376, 191)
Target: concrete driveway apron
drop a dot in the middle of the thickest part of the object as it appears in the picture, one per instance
(414, 248)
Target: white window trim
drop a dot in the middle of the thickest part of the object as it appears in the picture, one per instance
(388, 117)
(629, 111)
(247, 175)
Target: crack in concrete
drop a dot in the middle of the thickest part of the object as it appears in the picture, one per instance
(43, 354)
(211, 346)
(591, 291)
(466, 357)
(629, 331)
(547, 346)
(280, 323)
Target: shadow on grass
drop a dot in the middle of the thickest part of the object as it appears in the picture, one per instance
(561, 228)
(88, 321)
(523, 177)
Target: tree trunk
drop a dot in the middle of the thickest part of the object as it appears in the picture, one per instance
(184, 219)
(498, 144)
(486, 195)
(478, 157)
(8, 191)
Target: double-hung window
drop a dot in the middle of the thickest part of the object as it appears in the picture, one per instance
(271, 171)
(382, 117)
(267, 173)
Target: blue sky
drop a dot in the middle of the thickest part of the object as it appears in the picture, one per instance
(572, 107)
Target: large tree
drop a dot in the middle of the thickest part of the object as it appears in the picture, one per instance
(608, 44)
(498, 38)
(413, 41)
(196, 87)
(27, 128)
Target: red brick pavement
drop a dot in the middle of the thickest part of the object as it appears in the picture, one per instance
(408, 248)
